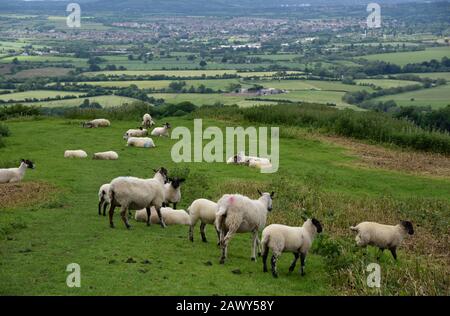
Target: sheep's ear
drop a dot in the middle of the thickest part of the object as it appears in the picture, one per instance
(259, 192)
(272, 194)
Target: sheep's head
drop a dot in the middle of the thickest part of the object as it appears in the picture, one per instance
(408, 226)
(29, 163)
(176, 182)
(269, 197)
(162, 171)
(317, 224)
(167, 125)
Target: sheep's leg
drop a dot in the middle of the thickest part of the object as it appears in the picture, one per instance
(149, 213)
(265, 254)
(254, 243)
(225, 242)
(161, 220)
(191, 230)
(302, 260)
(394, 252)
(292, 267)
(202, 231)
(218, 235)
(111, 214)
(100, 204)
(259, 245)
(274, 265)
(105, 206)
(123, 214)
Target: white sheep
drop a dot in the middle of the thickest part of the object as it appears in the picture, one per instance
(140, 132)
(172, 191)
(282, 238)
(162, 131)
(134, 193)
(205, 211)
(107, 155)
(169, 215)
(11, 175)
(259, 164)
(75, 154)
(142, 142)
(97, 123)
(240, 214)
(382, 236)
(103, 198)
(147, 120)
(252, 161)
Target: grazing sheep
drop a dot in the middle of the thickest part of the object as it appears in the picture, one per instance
(162, 131)
(140, 132)
(147, 120)
(240, 214)
(134, 193)
(169, 215)
(142, 142)
(172, 191)
(103, 198)
(97, 123)
(282, 238)
(11, 175)
(75, 154)
(107, 155)
(382, 236)
(205, 211)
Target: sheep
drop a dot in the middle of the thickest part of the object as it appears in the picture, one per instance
(239, 214)
(382, 236)
(75, 154)
(282, 238)
(140, 132)
(205, 211)
(107, 155)
(252, 161)
(147, 120)
(134, 193)
(172, 191)
(97, 123)
(11, 175)
(170, 216)
(143, 142)
(162, 131)
(259, 164)
(103, 198)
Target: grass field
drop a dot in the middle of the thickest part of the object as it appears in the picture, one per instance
(311, 96)
(411, 57)
(434, 75)
(206, 99)
(105, 101)
(311, 85)
(42, 72)
(41, 237)
(76, 62)
(435, 97)
(38, 94)
(387, 83)
(175, 73)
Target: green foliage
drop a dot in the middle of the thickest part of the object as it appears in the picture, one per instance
(4, 130)
(17, 110)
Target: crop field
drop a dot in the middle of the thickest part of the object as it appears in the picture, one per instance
(435, 97)
(38, 94)
(386, 83)
(403, 58)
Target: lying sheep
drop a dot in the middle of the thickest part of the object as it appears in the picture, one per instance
(169, 215)
(140, 132)
(239, 214)
(97, 123)
(382, 236)
(11, 175)
(252, 161)
(134, 193)
(282, 238)
(107, 155)
(75, 154)
(103, 198)
(258, 164)
(142, 142)
(205, 211)
(172, 192)
(162, 131)
(147, 120)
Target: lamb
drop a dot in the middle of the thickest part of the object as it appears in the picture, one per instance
(97, 123)
(205, 211)
(162, 131)
(103, 198)
(11, 175)
(107, 155)
(382, 236)
(147, 120)
(282, 238)
(172, 191)
(75, 154)
(140, 132)
(239, 214)
(170, 216)
(142, 142)
(134, 193)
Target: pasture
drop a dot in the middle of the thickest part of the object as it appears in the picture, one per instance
(41, 236)
(106, 101)
(386, 83)
(403, 58)
(38, 94)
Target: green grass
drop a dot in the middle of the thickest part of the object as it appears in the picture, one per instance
(433, 75)
(204, 99)
(311, 85)
(436, 97)
(404, 58)
(41, 239)
(175, 73)
(38, 94)
(76, 62)
(387, 83)
(105, 100)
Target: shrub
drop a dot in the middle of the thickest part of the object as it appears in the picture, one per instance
(4, 130)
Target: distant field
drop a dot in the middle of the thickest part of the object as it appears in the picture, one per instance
(434, 75)
(435, 97)
(386, 83)
(78, 62)
(42, 72)
(312, 97)
(198, 98)
(39, 94)
(310, 85)
(411, 57)
(106, 101)
(175, 73)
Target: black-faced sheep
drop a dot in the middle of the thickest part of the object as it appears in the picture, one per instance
(162, 131)
(172, 191)
(11, 175)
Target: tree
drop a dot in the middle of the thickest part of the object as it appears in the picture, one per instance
(203, 63)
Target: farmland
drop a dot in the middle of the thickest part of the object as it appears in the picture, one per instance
(411, 57)
(435, 97)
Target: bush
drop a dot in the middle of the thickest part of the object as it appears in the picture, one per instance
(4, 130)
